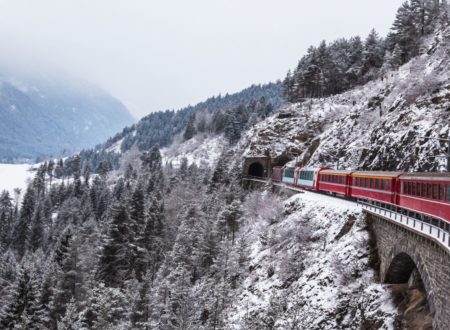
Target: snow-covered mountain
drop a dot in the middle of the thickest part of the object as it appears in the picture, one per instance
(390, 123)
(46, 116)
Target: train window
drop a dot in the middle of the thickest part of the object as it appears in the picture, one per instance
(377, 184)
(441, 191)
(383, 185)
(424, 190)
(448, 192)
(289, 172)
(429, 190)
(413, 190)
(435, 191)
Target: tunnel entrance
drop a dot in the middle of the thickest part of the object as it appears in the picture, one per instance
(256, 169)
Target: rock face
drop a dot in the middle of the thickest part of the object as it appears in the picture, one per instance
(42, 117)
(392, 123)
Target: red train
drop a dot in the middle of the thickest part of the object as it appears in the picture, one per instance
(425, 193)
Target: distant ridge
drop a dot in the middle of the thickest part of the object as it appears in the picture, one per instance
(42, 117)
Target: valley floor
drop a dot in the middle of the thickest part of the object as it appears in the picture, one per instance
(14, 176)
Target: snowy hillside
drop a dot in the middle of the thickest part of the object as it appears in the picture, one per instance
(380, 125)
(201, 150)
(309, 269)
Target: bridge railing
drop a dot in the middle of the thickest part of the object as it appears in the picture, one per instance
(440, 235)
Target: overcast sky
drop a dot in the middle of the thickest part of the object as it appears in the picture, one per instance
(166, 54)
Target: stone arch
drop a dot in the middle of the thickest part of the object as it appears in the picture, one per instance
(402, 264)
(256, 169)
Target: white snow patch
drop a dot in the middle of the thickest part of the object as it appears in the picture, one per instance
(14, 176)
(201, 150)
(116, 147)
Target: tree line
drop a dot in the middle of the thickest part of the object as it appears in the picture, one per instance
(344, 63)
(154, 248)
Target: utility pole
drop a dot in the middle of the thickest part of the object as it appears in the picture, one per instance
(448, 153)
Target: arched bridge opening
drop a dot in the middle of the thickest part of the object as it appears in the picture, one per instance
(400, 269)
(256, 169)
(409, 292)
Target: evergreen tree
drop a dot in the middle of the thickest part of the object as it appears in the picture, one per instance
(71, 320)
(373, 54)
(22, 302)
(22, 229)
(190, 130)
(114, 259)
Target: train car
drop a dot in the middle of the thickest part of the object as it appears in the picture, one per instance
(289, 175)
(426, 193)
(307, 177)
(337, 182)
(277, 173)
(375, 186)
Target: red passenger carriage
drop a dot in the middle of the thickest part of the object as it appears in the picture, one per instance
(335, 182)
(426, 193)
(376, 186)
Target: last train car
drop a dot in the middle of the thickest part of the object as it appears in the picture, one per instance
(375, 186)
(336, 182)
(308, 177)
(277, 173)
(426, 193)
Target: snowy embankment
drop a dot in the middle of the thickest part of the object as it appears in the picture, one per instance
(310, 270)
(14, 176)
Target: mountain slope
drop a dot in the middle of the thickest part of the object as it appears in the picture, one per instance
(41, 117)
(392, 123)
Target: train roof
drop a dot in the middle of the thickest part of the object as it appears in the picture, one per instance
(379, 174)
(341, 172)
(312, 168)
(433, 176)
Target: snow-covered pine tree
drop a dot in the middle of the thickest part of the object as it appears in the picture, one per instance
(114, 260)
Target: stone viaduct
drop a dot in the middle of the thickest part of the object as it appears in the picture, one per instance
(405, 253)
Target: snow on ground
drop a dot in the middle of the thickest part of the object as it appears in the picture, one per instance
(201, 150)
(14, 176)
(313, 272)
(116, 147)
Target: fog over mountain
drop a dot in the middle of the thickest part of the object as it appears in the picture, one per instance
(53, 115)
(158, 55)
